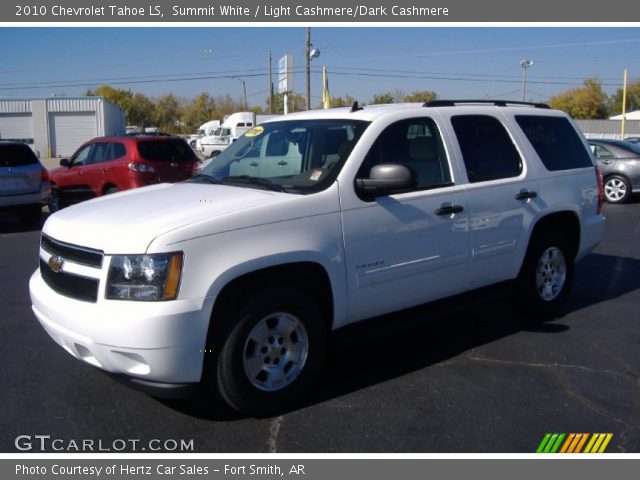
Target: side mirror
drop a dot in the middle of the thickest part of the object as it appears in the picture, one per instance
(387, 178)
(65, 162)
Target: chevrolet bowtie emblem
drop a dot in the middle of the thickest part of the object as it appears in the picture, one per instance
(55, 263)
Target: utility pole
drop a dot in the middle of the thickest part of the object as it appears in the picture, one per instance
(624, 104)
(270, 87)
(307, 59)
(525, 64)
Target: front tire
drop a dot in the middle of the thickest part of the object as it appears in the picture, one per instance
(55, 201)
(617, 189)
(273, 352)
(546, 275)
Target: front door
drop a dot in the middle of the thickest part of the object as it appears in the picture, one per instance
(409, 248)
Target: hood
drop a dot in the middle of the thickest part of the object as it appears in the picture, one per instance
(127, 222)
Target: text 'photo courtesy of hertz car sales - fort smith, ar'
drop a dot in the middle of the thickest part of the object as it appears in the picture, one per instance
(310, 222)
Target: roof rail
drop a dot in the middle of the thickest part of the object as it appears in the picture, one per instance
(497, 103)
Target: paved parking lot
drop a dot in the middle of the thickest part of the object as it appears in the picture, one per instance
(480, 380)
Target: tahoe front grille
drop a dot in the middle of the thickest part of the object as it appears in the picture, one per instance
(82, 255)
(73, 286)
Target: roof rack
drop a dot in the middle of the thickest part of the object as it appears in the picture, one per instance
(355, 107)
(497, 103)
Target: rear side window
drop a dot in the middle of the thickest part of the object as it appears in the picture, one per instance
(487, 149)
(165, 151)
(118, 150)
(555, 141)
(16, 156)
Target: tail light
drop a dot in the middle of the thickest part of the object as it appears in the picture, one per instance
(141, 167)
(44, 175)
(600, 189)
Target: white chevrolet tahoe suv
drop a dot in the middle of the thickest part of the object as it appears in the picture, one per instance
(311, 222)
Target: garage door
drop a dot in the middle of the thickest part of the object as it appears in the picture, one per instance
(69, 130)
(14, 126)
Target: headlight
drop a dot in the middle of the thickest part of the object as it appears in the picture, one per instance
(144, 277)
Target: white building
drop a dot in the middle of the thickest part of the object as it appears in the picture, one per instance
(57, 126)
(634, 115)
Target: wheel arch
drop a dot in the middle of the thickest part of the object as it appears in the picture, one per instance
(310, 277)
(564, 221)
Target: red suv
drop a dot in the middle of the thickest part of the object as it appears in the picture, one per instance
(109, 164)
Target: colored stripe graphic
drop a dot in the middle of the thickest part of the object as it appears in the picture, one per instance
(574, 443)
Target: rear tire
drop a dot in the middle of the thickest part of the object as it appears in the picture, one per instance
(617, 189)
(273, 352)
(110, 190)
(546, 275)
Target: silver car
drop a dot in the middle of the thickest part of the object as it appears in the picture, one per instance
(24, 182)
(620, 164)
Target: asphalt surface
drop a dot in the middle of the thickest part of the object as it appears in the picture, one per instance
(480, 380)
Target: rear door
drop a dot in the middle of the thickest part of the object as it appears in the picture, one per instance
(501, 200)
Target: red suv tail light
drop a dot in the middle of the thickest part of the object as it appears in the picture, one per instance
(600, 190)
(141, 167)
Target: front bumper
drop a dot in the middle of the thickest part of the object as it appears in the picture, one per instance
(160, 342)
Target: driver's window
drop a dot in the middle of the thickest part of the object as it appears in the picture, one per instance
(81, 157)
(416, 143)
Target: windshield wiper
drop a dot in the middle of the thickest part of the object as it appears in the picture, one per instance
(203, 178)
(249, 180)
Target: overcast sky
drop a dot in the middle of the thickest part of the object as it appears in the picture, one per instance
(460, 62)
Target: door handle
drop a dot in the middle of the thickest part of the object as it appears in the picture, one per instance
(449, 209)
(282, 163)
(526, 195)
(253, 164)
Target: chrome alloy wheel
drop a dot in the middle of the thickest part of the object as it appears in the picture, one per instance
(275, 352)
(551, 274)
(615, 189)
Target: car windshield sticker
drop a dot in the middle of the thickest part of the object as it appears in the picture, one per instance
(254, 132)
(315, 175)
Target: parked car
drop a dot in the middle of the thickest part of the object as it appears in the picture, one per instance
(635, 140)
(110, 164)
(620, 164)
(306, 224)
(24, 182)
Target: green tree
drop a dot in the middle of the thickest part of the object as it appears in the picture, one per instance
(382, 98)
(198, 111)
(588, 102)
(167, 113)
(345, 101)
(297, 103)
(421, 96)
(633, 99)
(141, 111)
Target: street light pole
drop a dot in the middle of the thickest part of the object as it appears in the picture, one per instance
(525, 64)
(307, 57)
(244, 88)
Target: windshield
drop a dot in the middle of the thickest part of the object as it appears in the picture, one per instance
(300, 156)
